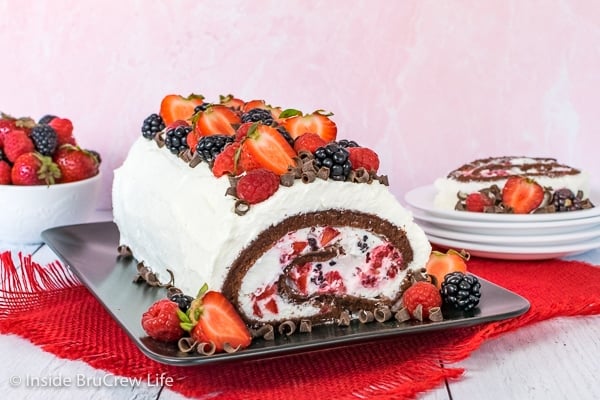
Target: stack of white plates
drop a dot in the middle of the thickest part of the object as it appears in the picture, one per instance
(507, 236)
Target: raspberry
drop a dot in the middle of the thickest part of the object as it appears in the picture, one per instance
(242, 131)
(477, 202)
(308, 142)
(5, 173)
(161, 321)
(225, 161)
(257, 185)
(363, 157)
(423, 293)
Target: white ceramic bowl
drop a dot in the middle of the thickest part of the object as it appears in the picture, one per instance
(26, 211)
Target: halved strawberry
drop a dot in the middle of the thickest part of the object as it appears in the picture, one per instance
(268, 148)
(174, 107)
(249, 105)
(318, 122)
(522, 195)
(231, 101)
(212, 318)
(440, 264)
(217, 119)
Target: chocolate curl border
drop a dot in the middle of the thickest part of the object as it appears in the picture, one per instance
(287, 328)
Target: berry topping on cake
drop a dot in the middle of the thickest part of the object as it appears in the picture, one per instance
(216, 120)
(522, 195)
(422, 294)
(231, 101)
(152, 125)
(565, 200)
(249, 105)
(440, 264)
(336, 159)
(362, 157)
(478, 202)
(46, 119)
(347, 143)
(209, 147)
(225, 161)
(75, 163)
(174, 107)
(176, 137)
(34, 169)
(17, 142)
(258, 115)
(308, 142)
(161, 321)
(183, 301)
(461, 291)
(318, 122)
(266, 145)
(257, 185)
(212, 319)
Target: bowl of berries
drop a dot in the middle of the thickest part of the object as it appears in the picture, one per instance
(46, 178)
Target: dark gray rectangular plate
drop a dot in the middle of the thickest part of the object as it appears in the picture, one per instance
(91, 252)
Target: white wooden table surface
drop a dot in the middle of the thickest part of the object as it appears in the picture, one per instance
(555, 359)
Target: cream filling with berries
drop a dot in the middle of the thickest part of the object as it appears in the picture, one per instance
(179, 218)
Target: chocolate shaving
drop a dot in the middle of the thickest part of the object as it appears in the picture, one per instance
(323, 173)
(231, 191)
(418, 313)
(241, 207)
(145, 274)
(159, 140)
(186, 155)
(287, 328)
(308, 177)
(124, 251)
(309, 166)
(435, 314)
(305, 155)
(173, 291)
(287, 179)
(305, 326)
(186, 344)
(402, 315)
(344, 319)
(382, 314)
(195, 160)
(266, 332)
(383, 179)
(230, 349)
(206, 348)
(361, 175)
(365, 316)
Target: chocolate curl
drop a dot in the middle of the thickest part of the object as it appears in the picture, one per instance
(418, 313)
(231, 191)
(361, 175)
(206, 348)
(185, 155)
(173, 291)
(266, 332)
(304, 155)
(365, 316)
(186, 344)
(287, 328)
(230, 349)
(382, 314)
(435, 314)
(159, 140)
(383, 179)
(308, 177)
(295, 171)
(124, 251)
(344, 319)
(323, 173)
(287, 179)
(309, 166)
(305, 326)
(402, 315)
(195, 161)
(241, 207)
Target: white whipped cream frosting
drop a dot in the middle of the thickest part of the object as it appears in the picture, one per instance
(176, 217)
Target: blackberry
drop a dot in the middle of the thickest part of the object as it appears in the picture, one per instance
(209, 147)
(281, 129)
(334, 157)
(258, 115)
(565, 200)
(44, 139)
(46, 119)
(152, 125)
(345, 143)
(182, 300)
(201, 107)
(461, 291)
(175, 138)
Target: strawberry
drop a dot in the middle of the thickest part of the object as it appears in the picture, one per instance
(64, 130)
(161, 321)
(257, 185)
(34, 169)
(522, 195)
(231, 101)
(242, 131)
(225, 162)
(363, 157)
(440, 264)
(75, 163)
(247, 162)
(174, 107)
(216, 120)
(249, 105)
(424, 294)
(308, 142)
(477, 202)
(269, 148)
(329, 233)
(299, 275)
(5, 170)
(318, 122)
(333, 283)
(212, 318)
(17, 142)
(9, 123)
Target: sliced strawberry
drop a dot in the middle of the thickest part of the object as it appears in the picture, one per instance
(249, 105)
(242, 131)
(174, 107)
(297, 247)
(440, 264)
(332, 283)
(216, 120)
(271, 305)
(329, 233)
(269, 148)
(247, 162)
(299, 275)
(477, 202)
(318, 122)
(522, 195)
(231, 101)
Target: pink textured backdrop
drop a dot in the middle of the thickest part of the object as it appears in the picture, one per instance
(427, 84)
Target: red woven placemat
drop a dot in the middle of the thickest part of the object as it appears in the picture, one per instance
(400, 367)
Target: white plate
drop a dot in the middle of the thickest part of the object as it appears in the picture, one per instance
(506, 229)
(422, 197)
(512, 240)
(516, 252)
